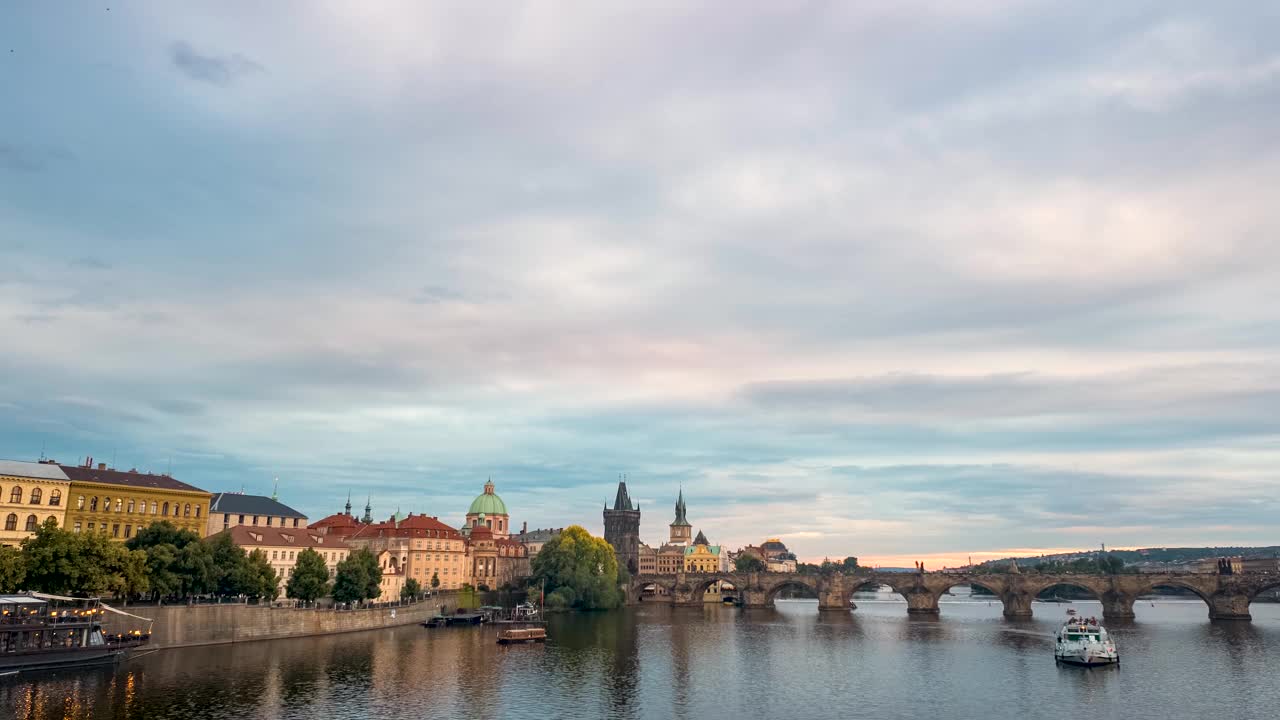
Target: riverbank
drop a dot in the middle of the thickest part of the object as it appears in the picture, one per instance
(177, 626)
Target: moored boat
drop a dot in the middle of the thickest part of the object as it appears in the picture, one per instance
(1085, 642)
(512, 636)
(40, 631)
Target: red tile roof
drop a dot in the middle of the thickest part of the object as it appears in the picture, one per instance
(257, 535)
(411, 526)
(131, 478)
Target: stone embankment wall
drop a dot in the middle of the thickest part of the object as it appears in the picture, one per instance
(184, 626)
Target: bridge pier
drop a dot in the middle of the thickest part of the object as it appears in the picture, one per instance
(921, 601)
(1017, 604)
(1229, 606)
(755, 598)
(1117, 605)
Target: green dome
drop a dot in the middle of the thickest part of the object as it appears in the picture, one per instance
(488, 502)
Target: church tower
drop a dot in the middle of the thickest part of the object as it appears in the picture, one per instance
(681, 530)
(622, 530)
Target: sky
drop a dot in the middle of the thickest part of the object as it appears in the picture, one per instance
(900, 280)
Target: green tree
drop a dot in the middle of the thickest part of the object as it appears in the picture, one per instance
(13, 569)
(849, 565)
(435, 580)
(196, 570)
(412, 589)
(358, 578)
(748, 563)
(229, 566)
(259, 578)
(310, 579)
(52, 559)
(582, 564)
(162, 569)
(161, 533)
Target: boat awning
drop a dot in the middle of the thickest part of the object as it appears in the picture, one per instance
(121, 612)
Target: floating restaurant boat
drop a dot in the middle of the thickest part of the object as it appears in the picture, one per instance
(1085, 642)
(36, 633)
(512, 636)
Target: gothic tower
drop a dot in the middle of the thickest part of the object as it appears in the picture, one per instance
(681, 530)
(622, 530)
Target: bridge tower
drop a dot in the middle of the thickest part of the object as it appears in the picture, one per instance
(622, 530)
(681, 530)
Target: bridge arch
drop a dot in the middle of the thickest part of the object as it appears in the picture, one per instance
(1146, 588)
(771, 592)
(1269, 584)
(703, 583)
(994, 588)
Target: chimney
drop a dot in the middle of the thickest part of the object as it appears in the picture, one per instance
(102, 466)
(524, 527)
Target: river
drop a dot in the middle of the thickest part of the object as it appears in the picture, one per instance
(656, 662)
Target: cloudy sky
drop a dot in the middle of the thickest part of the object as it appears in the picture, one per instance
(903, 279)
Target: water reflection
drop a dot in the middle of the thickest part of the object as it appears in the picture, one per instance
(661, 662)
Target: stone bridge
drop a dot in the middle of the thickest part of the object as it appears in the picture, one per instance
(1228, 596)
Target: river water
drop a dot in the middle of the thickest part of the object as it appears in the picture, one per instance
(657, 662)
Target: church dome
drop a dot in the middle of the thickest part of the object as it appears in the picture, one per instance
(488, 502)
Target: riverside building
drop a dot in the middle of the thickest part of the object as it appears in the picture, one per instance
(282, 545)
(228, 510)
(118, 503)
(31, 493)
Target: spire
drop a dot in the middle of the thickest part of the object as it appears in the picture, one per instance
(701, 539)
(488, 487)
(623, 500)
(368, 510)
(348, 512)
(680, 510)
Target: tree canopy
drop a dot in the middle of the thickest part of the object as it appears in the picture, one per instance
(747, 563)
(581, 571)
(310, 579)
(358, 578)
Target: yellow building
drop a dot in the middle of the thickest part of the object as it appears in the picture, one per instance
(30, 494)
(702, 556)
(119, 504)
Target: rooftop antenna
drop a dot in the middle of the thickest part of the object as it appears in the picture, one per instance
(168, 467)
(42, 457)
(275, 487)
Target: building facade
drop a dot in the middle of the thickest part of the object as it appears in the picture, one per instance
(417, 547)
(777, 557)
(31, 493)
(228, 510)
(533, 540)
(282, 545)
(118, 503)
(703, 557)
(622, 530)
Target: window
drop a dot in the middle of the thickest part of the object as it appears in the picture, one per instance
(11, 522)
(106, 504)
(130, 508)
(275, 554)
(295, 522)
(197, 511)
(36, 495)
(32, 524)
(15, 495)
(241, 519)
(102, 528)
(164, 510)
(93, 504)
(268, 521)
(128, 531)
(119, 504)
(115, 530)
(55, 498)
(76, 528)
(186, 511)
(153, 507)
(255, 519)
(80, 502)
(226, 518)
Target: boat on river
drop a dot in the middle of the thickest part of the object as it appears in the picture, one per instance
(1085, 642)
(39, 631)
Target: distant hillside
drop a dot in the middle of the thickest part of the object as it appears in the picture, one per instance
(1165, 555)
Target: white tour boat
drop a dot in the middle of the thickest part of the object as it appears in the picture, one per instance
(1084, 641)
